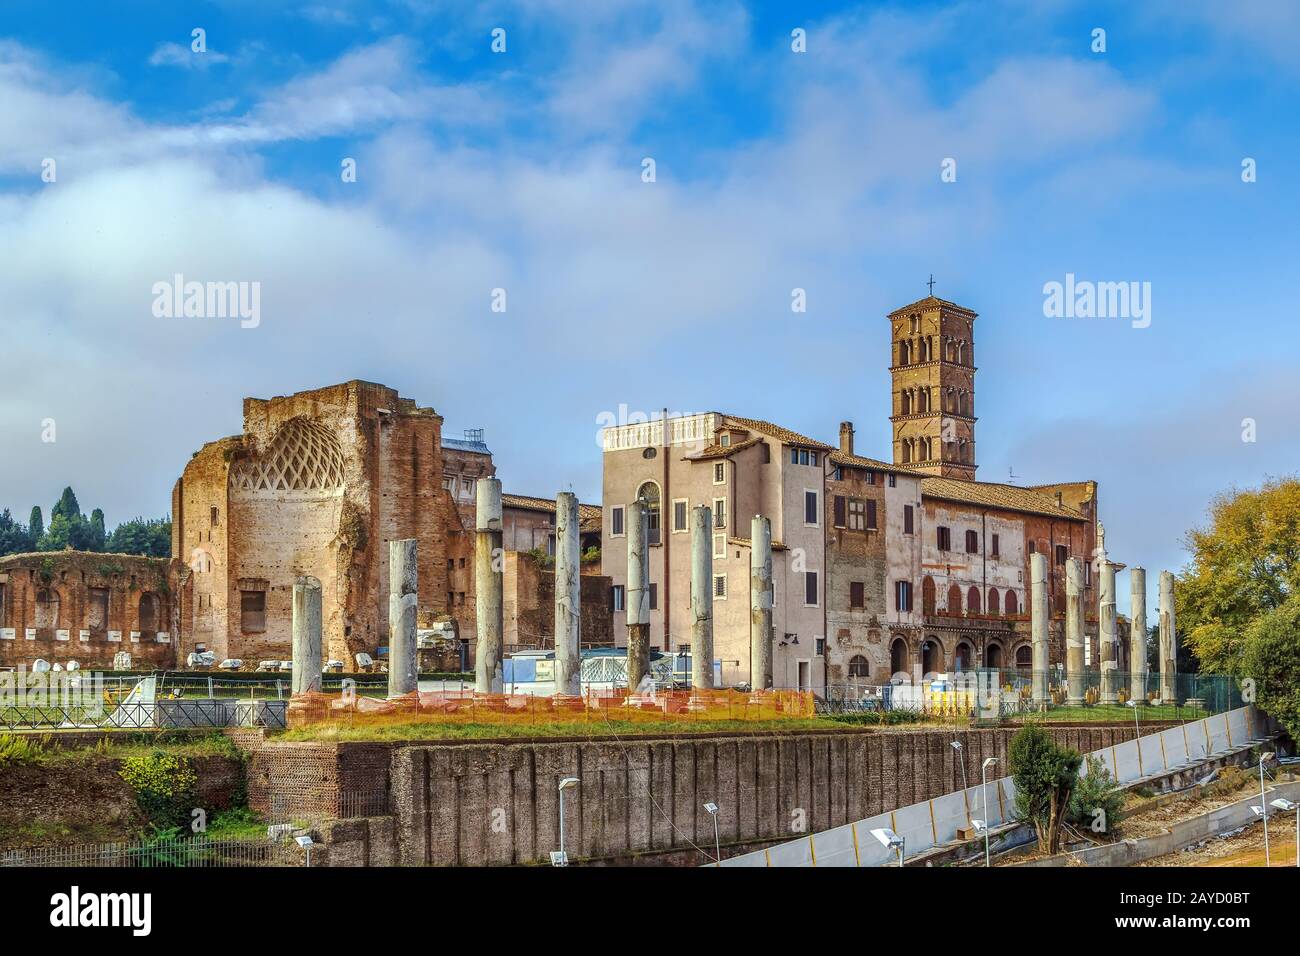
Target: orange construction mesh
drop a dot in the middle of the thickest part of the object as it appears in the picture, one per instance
(468, 707)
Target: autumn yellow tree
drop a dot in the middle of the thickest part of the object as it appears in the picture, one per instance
(1245, 564)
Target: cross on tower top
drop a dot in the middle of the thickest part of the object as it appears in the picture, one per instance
(931, 283)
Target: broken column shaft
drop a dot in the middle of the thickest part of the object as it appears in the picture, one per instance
(1168, 641)
(1038, 627)
(701, 597)
(1074, 632)
(637, 597)
(760, 603)
(1137, 638)
(1106, 630)
(306, 676)
(403, 666)
(489, 587)
(568, 596)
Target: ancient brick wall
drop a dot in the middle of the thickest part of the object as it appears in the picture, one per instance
(86, 607)
(528, 605)
(474, 804)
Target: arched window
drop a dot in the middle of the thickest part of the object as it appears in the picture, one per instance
(995, 606)
(927, 594)
(858, 666)
(932, 656)
(993, 656)
(1024, 657)
(898, 656)
(973, 600)
(905, 398)
(963, 657)
(649, 493)
(954, 599)
(1010, 604)
(148, 615)
(47, 609)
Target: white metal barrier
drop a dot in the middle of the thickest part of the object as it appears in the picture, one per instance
(935, 822)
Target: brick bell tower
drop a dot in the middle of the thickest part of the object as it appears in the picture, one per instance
(932, 369)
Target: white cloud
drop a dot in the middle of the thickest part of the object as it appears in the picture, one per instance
(175, 54)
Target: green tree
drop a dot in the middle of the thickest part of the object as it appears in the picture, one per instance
(14, 538)
(1272, 659)
(35, 526)
(66, 505)
(1245, 564)
(97, 535)
(139, 536)
(1045, 775)
(1097, 799)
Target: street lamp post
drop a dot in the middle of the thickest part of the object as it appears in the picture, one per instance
(560, 858)
(1263, 806)
(717, 843)
(984, 798)
(891, 840)
(1137, 730)
(956, 745)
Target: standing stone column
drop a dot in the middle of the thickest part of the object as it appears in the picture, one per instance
(637, 597)
(489, 587)
(702, 597)
(1038, 626)
(568, 597)
(1168, 641)
(403, 667)
(1137, 639)
(1106, 628)
(760, 603)
(306, 676)
(1074, 632)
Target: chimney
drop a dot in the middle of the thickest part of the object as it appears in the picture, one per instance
(1058, 500)
(846, 437)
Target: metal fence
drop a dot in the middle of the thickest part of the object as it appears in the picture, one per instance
(140, 715)
(1008, 693)
(196, 852)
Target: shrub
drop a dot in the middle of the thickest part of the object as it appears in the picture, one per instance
(16, 751)
(1097, 799)
(164, 786)
(1272, 659)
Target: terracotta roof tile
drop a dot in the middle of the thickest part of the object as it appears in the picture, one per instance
(529, 503)
(933, 301)
(991, 495)
(858, 461)
(777, 432)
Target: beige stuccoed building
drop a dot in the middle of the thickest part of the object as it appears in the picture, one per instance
(740, 467)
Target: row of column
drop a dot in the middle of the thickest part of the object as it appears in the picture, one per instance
(489, 592)
(1107, 630)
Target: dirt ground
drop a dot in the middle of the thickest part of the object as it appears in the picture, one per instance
(1244, 849)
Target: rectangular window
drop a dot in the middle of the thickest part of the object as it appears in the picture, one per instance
(903, 595)
(857, 594)
(1033, 548)
(813, 459)
(810, 507)
(652, 525)
(871, 477)
(720, 586)
(944, 537)
(1062, 552)
(654, 597)
(837, 474)
(616, 522)
(719, 473)
(972, 542)
(216, 517)
(908, 527)
(1087, 574)
(794, 456)
(819, 646)
(840, 510)
(996, 552)
(871, 516)
(449, 484)
(679, 514)
(810, 588)
(857, 514)
(719, 512)
(893, 481)
(252, 612)
(719, 546)
(619, 597)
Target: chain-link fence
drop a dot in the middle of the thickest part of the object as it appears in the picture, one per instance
(146, 715)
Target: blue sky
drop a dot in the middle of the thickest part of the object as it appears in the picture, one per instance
(775, 170)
